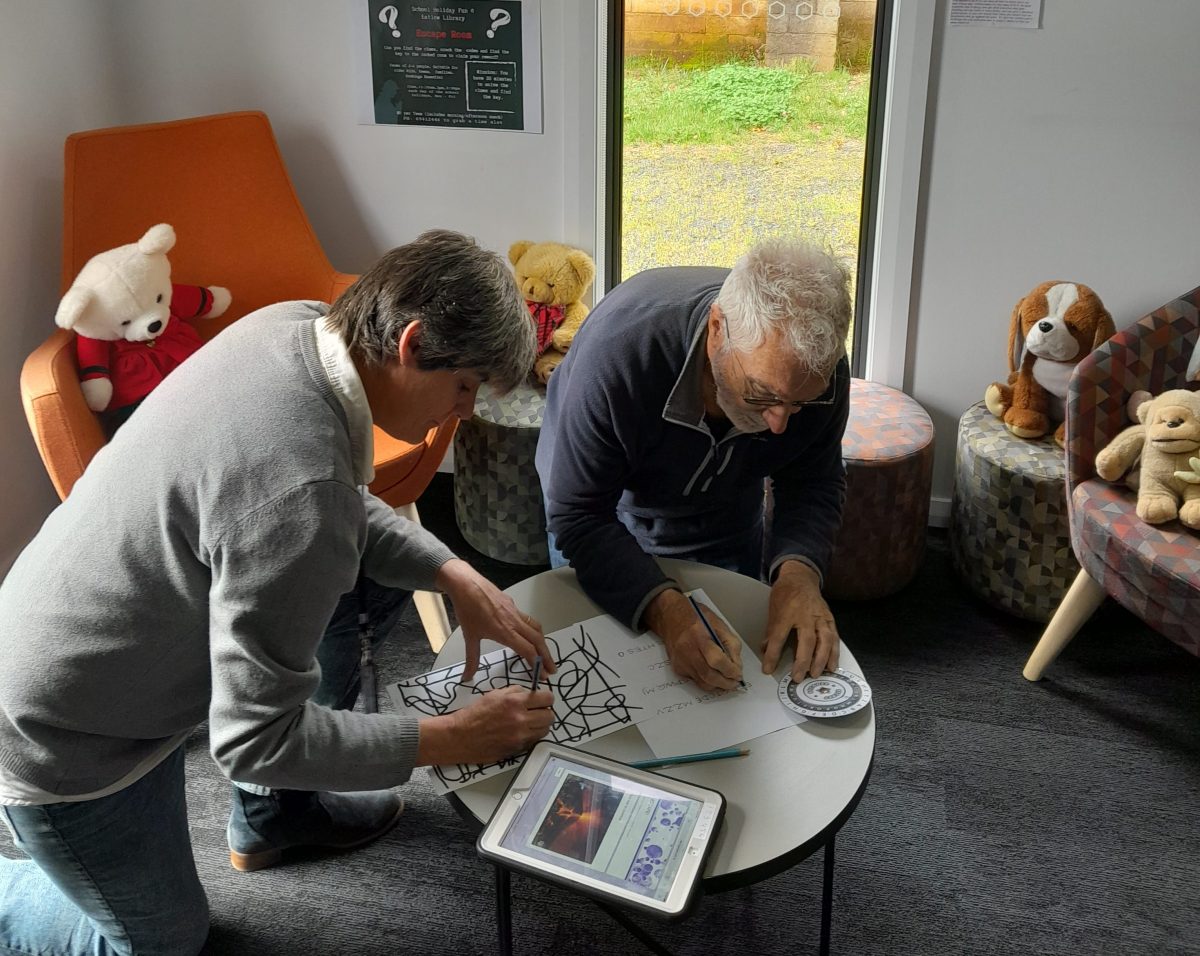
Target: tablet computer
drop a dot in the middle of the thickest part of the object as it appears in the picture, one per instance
(625, 835)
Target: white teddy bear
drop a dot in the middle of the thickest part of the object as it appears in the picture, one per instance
(129, 321)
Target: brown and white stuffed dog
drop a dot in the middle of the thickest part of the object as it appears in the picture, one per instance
(1052, 329)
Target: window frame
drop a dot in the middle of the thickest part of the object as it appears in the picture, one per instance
(891, 177)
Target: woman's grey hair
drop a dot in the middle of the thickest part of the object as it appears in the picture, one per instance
(471, 311)
(790, 287)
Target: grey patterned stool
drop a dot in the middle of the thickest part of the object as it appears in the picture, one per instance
(497, 497)
(1009, 539)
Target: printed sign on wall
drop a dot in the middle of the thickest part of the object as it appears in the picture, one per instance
(456, 63)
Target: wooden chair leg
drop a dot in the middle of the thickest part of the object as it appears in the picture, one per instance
(1078, 604)
(431, 606)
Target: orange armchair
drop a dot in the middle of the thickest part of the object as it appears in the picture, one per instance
(221, 182)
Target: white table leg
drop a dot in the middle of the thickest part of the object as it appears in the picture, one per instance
(431, 607)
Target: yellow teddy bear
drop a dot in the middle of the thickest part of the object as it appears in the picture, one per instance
(553, 279)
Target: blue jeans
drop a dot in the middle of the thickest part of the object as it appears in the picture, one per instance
(339, 652)
(557, 558)
(107, 876)
(115, 876)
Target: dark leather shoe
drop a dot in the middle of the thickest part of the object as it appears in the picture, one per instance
(262, 827)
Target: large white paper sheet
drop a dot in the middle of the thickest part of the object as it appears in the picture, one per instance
(608, 677)
(685, 719)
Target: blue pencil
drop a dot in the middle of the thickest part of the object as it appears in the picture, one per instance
(711, 633)
(690, 758)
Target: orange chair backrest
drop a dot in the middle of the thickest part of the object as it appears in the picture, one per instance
(221, 182)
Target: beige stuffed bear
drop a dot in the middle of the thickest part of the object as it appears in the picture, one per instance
(1167, 438)
(553, 279)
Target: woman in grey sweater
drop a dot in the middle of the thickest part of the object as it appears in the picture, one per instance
(191, 575)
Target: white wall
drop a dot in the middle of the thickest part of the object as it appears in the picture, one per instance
(1070, 152)
(78, 64)
(55, 76)
(366, 188)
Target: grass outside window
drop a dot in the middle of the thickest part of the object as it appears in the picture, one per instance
(718, 156)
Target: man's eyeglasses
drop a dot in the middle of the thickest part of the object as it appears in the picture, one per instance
(827, 397)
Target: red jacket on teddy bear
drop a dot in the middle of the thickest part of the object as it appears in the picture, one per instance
(129, 320)
(135, 368)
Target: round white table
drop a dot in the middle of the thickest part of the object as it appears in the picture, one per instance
(785, 800)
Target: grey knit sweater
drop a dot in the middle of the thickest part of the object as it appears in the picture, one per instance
(191, 573)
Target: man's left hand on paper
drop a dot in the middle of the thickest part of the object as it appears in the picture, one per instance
(486, 613)
(796, 604)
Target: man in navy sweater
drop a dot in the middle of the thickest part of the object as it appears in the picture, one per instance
(685, 390)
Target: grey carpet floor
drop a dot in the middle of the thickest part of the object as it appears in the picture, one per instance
(1002, 817)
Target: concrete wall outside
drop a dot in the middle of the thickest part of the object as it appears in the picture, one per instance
(704, 30)
(824, 32)
(856, 33)
(803, 31)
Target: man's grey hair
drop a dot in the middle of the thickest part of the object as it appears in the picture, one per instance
(790, 287)
(471, 312)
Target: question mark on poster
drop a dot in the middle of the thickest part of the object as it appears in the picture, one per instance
(499, 18)
(388, 15)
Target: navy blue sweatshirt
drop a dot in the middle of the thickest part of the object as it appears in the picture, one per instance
(629, 468)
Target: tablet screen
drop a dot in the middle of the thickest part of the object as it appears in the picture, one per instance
(620, 832)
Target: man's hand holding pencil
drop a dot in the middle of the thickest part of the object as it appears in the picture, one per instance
(498, 724)
(700, 646)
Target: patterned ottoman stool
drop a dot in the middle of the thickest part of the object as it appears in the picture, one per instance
(888, 453)
(1009, 538)
(497, 497)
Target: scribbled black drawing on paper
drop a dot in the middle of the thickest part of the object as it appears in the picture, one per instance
(589, 697)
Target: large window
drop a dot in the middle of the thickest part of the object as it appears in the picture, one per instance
(733, 120)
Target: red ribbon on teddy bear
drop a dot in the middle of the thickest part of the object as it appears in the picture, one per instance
(546, 319)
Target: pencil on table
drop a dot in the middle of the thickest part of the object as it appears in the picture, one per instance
(691, 758)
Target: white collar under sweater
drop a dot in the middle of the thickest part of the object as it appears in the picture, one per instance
(348, 387)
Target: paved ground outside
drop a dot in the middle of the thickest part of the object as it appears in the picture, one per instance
(705, 204)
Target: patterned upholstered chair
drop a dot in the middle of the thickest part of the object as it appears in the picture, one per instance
(1153, 570)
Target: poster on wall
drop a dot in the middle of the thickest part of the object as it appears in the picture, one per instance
(473, 64)
(1026, 14)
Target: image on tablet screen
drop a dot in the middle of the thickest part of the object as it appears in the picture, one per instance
(578, 818)
(626, 835)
